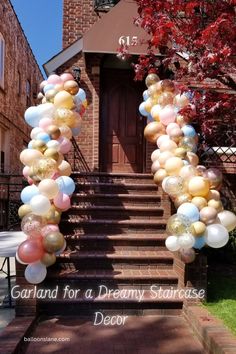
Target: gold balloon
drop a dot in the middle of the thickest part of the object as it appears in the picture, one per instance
(64, 168)
(154, 90)
(149, 103)
(54, 132)
(64, 116)
(66, 131)
(198, 186)
(53, 242)
(173, 165)
(177, 225)
(198, 228)
(52, 153)
(153, 130)
(182, 120)
(44, 168)
(48, 259)
(180, 152)
(39, 145)
(53, 216)
(168, 86)
(63, 99)
(159, 176)
(216, 204)
(151, 79)
(50, 94)
(71, 86)
(183, 198)
(24, 210)
(199, 202)
(166, 98)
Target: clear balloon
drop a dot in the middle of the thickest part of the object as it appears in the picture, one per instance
(178, 225)
(32, 224)
(174, 185)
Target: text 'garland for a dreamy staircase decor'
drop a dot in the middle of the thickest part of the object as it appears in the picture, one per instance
(200, 219)
(54, 122)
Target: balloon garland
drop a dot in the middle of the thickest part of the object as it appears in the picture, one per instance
(54, 122)
(200, 219)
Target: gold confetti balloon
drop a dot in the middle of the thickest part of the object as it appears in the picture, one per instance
(44, 168)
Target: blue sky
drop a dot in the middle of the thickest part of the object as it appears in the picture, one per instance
(41, 21)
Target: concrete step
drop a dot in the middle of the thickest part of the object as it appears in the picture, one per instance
(117, 188)
(104, 177)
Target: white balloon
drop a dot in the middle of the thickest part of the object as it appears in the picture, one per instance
(46, 110)
(216, 235)
(172, 243)
(53, 144)
(40, 204)
(35, 131)
(186, 241)
(227, 219)
(35, 273)
(155, 155)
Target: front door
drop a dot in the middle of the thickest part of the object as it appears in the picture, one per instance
(121, 130)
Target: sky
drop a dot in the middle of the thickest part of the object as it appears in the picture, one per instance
(41, 21)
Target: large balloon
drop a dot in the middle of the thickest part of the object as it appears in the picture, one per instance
(178, 225)
(28, 193)
(227, 219)
(189, 210)
(40, 205)
(30, 251)
(216, 235)
(49, 188)
(198, 186)
(66, 185)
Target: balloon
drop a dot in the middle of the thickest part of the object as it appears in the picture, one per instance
(168, 145)
(48, 188)
(155, 112)
(173, 165)
(164, 156)
(32, 116)
(44, 123)
(24, 210)
(166, 98)
(40, 205)
(61, 249)
(44, 168)
(44, 137)
(48, 87)
(53, 131)
(47, 229)
(216, 204)
(155, 155)
(188, 144)
(53, 216)
(200, 202)
(214, 176)
(28, 193)
(142, 110)
(65, 145)
(187, 256)
(81, 95)
(154, 90)
(53, 242)
(159, 176)
(181, 100)
(198, 186)
(199, 242)
(213, 194)
(35, 132)
(151, 79)
(178, 225)
(188, 131)
(208, 215)
(145, 95)
(64, 168)
(175, 134)
(62, 201)
(66, 185)
(50, 94)
(198, 228)
(52, 153)
(172, 243)
(30, 251)
(64, 116)
(153, 130)
(66, 76)
(54, 79)
(174, 185)
(39, 145)
(35, 273)
(188, 172)
(53, 144)
(65, 131)
(170, 127)
(162, 138)
(76, 131)
(32, 224)
(48, 259)
(46, 110)
(149, 104)
(28, 156)
(192, 158)
(167, 115)
(168, 86)
(189, 210)
(186, 241)
(182, 198)
(216, 235)
(26, 171)
(182, 120)
(227, 219)
(18, 259)
(155, 166)
(63, 99)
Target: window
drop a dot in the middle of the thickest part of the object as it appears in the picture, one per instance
(4, 146)
(2, 59)
(28, 93)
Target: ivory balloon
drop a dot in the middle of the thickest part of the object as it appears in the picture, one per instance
(49, 188)
(186, 241)
(28, 156)
(198, 186)
(173, 165)
(168, 145)
(227, 219)
(162, 138)
(155, 154)
(40, 205)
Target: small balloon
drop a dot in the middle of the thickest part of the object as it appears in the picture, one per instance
(35, 273)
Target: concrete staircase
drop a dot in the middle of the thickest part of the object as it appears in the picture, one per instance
(115, 234)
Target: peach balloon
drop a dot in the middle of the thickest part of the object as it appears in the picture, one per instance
(161, 139)
(175, 134)
(28, 156)
(153, 130)
(159, 176)
(173, 165)
(164, 156)
(188, 172)
(192, 158)
(199, 202)
(168, 145)
(155, 154)
(63, 99)
(198, 186)
(65, 168)
(49, 188)
(208, 215)
(66, 76)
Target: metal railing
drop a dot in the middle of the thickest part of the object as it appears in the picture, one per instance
(76, 158)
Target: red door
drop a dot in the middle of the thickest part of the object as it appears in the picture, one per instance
(121, 128)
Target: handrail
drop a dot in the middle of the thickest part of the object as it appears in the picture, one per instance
(79, 163)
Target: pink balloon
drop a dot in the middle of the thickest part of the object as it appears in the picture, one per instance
(167, 115)
(30, 180)
(48, 229)
(26, 171)
(54, 79)
(66, 76)
(161, 139)
(62, 201)
(56, 175)
(171, 126)
(30, 251)
(45, 122)
(65, 145)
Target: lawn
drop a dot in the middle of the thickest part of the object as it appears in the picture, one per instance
(222, 297)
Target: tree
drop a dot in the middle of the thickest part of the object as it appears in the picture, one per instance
(196, 39)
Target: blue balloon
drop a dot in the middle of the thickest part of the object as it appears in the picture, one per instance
(28, 193)
(81, 95)
(188, 131)
(145, 95)
(48, 87)
(142, 110)
(66, 185)
(44, 137)
(199, 242)
(190, 210)
(32, 116)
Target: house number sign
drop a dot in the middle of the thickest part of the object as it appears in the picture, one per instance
(128, 40)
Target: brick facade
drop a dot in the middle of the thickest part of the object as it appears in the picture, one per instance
(20, 66)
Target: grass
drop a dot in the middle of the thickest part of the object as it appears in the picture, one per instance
(221, 300)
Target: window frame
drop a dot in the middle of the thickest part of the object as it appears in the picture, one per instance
(2, 60)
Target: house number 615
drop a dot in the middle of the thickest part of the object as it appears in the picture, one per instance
(128, 40)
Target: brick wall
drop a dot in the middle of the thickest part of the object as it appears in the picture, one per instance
(20, 66)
